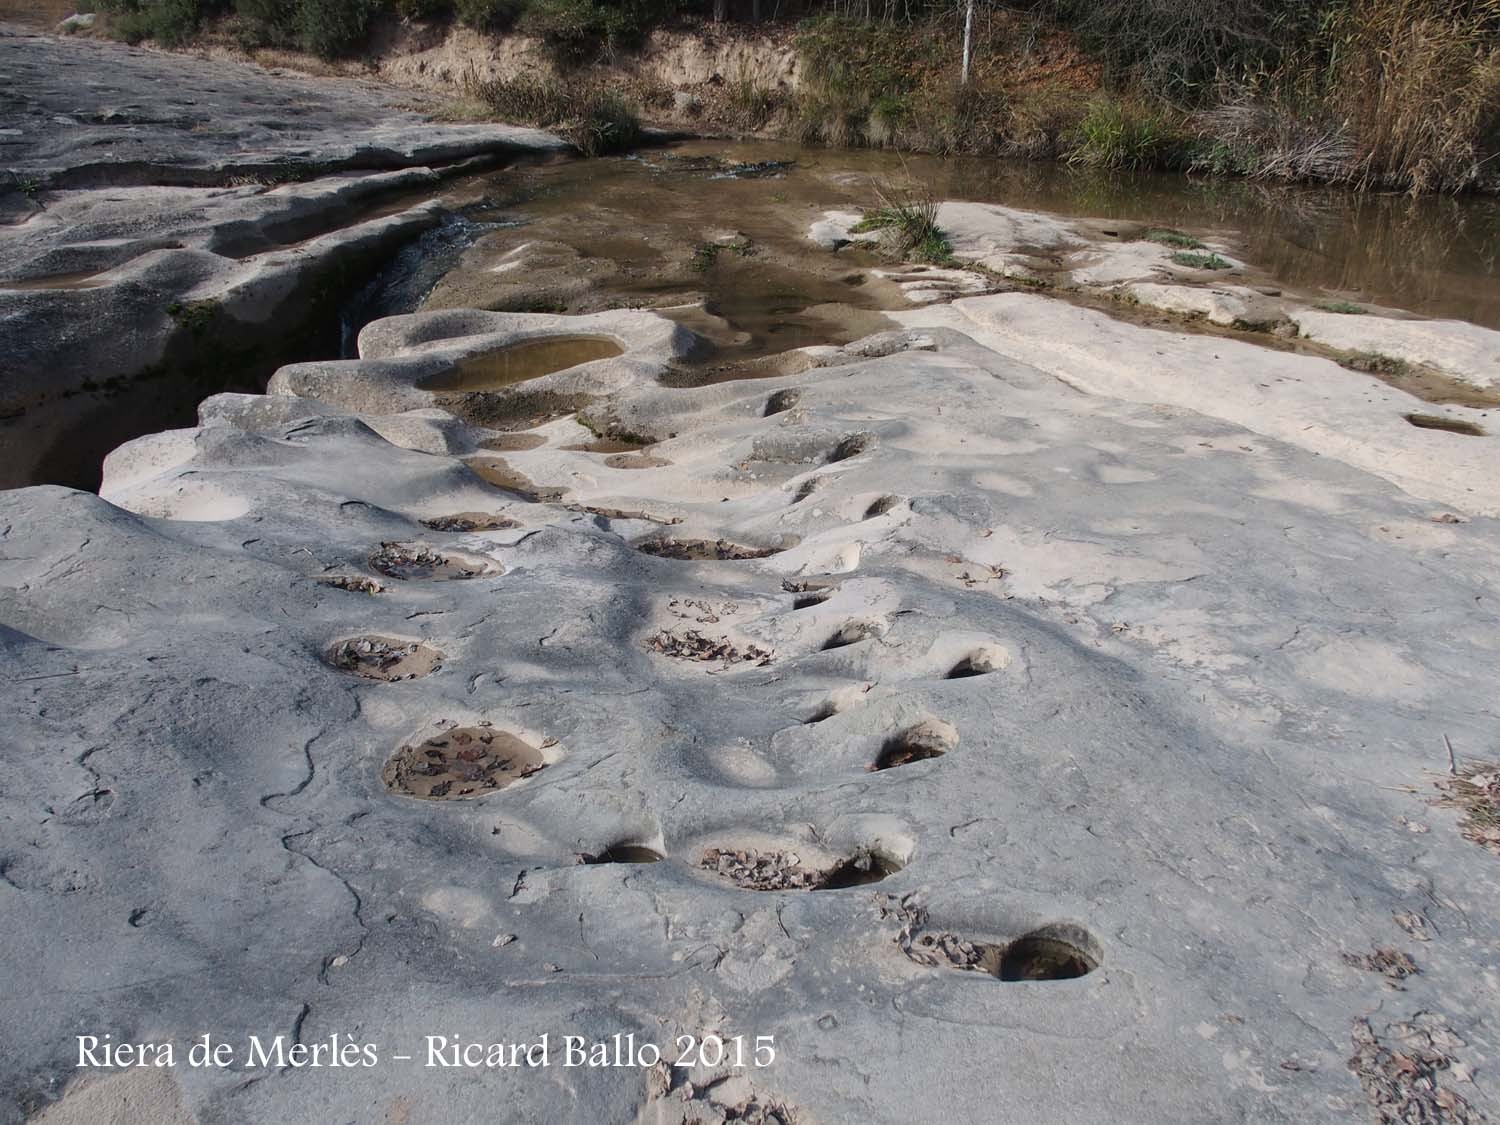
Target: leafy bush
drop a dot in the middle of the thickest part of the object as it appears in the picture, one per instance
(332, 27)
(1118, 134)
(579, 31)
(605, 123)
(169, 22)
(489, 15)
(422, 9)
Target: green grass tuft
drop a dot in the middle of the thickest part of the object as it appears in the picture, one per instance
(1197, 261)
(1348, 308)
(1174, 238)
(907, 220)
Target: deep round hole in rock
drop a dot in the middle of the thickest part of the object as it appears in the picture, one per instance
(626, 852)
(1043, 956)
(1446, 424)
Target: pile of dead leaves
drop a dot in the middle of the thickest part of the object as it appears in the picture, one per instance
(1393, 964)
(1401, 1081)
(373, 657)
(710, 550)
(931, 949)
(1475, 791)
(693, 645)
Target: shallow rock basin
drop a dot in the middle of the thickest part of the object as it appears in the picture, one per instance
(518, 362)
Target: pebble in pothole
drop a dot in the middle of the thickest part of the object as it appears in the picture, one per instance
(460, 763)
(384, 658)
(416, 561)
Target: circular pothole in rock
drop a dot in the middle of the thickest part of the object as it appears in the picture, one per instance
(851, 633)
(773, 869)
(980, 662)
(625, 852)
(782, 401)
(384, 658)
(461, 763)
(709, 550)
(931, 738)
(881, 506)
(1051, 953)
(471, 521)
(1444, 423)
(1059, 952)
(810, 599)
(409, 561)
(852, 446)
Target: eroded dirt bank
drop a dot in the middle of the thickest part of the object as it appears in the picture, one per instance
(1028, 712)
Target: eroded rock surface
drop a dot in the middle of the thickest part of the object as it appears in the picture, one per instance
(169, 222)
(1116, 704)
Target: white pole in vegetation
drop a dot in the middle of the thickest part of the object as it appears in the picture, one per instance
(968, 39)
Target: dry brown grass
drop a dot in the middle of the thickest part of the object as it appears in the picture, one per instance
(1419, 81)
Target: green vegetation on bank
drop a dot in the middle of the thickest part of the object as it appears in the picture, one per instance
(1373, 93)
(592, 116)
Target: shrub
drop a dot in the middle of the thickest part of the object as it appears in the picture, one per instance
(422, 9)
(1118, 134)
(489, 15)
(169, 22)
(579, 31)
(332, 27)
(604, 123)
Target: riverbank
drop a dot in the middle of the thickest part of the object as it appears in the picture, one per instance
(1373, 94)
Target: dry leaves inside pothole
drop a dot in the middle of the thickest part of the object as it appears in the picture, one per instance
(1400, 1077)
(1475, 791)
(761, 871)
(1394, 964)
(693, 645)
